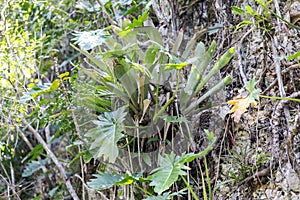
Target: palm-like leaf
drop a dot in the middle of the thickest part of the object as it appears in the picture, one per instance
(103, 181)
(108, 132)
(170, 168)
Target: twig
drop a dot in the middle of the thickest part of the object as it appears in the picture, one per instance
(53, 158)
(291, 67)
(263, 172)
(277, 67)
(23, 136)
(270, 86)
(106, 15)
(275, 123)
(12, 174)
(296, 125)
(276, 148)
(158, 12)
(242, 73)
(221, 146)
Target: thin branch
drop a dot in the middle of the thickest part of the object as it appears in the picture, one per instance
(70, 108)
(105, 13)
(240, 44)
(54, 159)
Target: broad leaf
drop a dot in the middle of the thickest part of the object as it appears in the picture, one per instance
(105, 136)
(225, 58)
(171, 166)
(104, 180)
(216, 88)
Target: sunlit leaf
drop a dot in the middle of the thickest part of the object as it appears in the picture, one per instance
(237, 10)
(63, 75)
(139, 21)
(55, 85)
(242, 24)
(40, 89)
(294, 56)
(250, 11)
(179, 66)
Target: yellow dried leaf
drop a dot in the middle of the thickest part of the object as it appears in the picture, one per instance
(240, 105)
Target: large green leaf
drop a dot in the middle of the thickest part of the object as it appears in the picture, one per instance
(171, 166)
(105, 136)
(225, 58)
(104, 180)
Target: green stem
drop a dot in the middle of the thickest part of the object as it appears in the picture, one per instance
(146, 192)
(203, 184)
(189, 187)
(282, 19)
(162, 110)
(208, 179)
(280, 98)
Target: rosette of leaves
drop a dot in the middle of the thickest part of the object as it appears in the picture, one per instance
(129, 62)
(133, 63)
